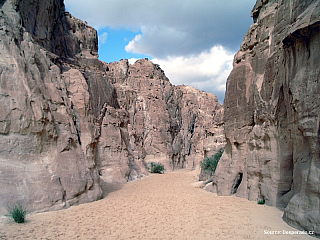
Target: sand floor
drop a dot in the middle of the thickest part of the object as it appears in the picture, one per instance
(163, 206)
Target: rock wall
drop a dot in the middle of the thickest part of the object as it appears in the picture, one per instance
(69, 122)
(46, 119)
(175, 125)
(272, 117)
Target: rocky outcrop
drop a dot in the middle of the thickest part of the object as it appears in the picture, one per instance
(271, 116)
(175, 125)
(46, 120)
(69, 122)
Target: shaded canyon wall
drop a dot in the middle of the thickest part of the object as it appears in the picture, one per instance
(272, 117)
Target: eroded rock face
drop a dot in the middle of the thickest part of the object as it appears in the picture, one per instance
(46, 120)
(69, 122)
(272, 113)
(175, 125)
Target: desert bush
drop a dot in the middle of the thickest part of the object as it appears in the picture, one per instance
(157, 167)
(209, 165)
(18, 212)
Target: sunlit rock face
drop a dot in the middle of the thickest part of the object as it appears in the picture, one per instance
(175, 125)
(46, 117)
(70, 123)
(271, 113)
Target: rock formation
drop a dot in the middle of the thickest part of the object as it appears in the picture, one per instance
(174, 125)
(272, 117)
(69, 122)
(46, 124)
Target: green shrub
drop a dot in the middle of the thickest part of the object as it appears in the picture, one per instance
(209, 165)
(157, 167)
(18, 212)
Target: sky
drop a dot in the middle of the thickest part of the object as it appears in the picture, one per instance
(193, 41)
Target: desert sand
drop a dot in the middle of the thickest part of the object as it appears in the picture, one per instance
(166, 206)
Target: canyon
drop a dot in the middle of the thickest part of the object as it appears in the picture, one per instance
(70, 123)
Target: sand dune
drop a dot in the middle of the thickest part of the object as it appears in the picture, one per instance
(163, 206)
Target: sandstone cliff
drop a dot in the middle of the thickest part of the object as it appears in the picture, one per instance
(69, 122)
(272, 118)
(46, 120)
(175, 125)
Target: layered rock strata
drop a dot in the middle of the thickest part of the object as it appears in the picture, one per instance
(69, 122)
(272, 117)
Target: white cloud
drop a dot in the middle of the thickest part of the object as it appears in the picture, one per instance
(103, 38)
(131, 45)
(174, 28)
(132, 60)
(179, 35)
(160, 42)
(207, 71)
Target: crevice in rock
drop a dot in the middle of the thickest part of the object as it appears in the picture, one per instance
(192, 123)
(76, 124)
(81, 192)
(236, 183)
(63, 191)
(237, 145)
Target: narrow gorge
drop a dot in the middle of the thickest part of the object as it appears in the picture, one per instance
(70, 123)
